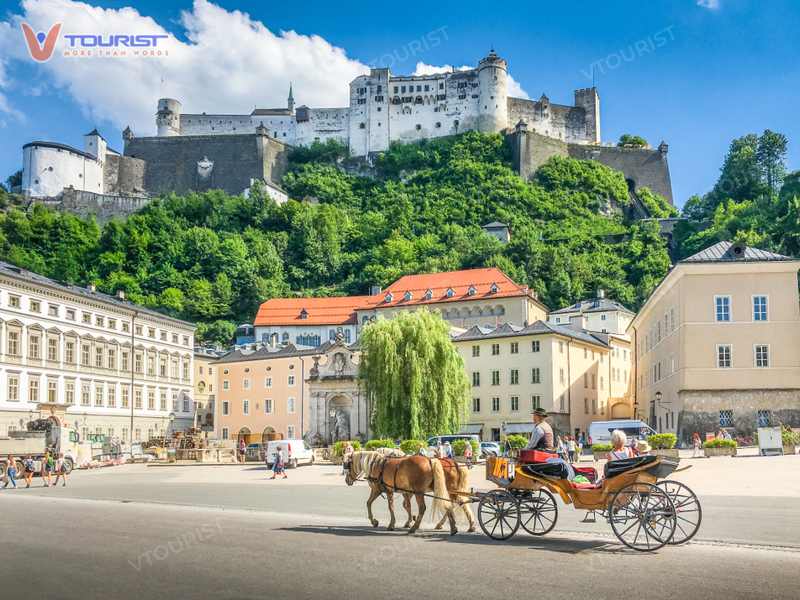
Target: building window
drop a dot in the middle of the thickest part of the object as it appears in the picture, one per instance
(290, 380)
(476, 379)
(137, 363)
(585, 353)
(174, 369)
(290, 432)
(495, 377)
(760, 312)
(137, 399)
(476, 405)
(98, 321)
(536, 375)
(724, 418)
(13, 389)
(514, 347)
(225, 385)
(601, 379)
(126, 327)
(98, 395)
(535, 346)
(561, 347)
(561, 376)
(98, 358)
(33, 347)
(245, 407)
(246, 383)
(594, 381)
(151, 400)
(763, 418)
(138, 330)
(514, 377)
(594, 407)
(151, 365)
(672, 319)
(85, 395)
(13, 301)
(226, 408)
(13, 343)
(151, 333)
(225, 432)
(163, 401)
(495, 349)
(762, 355)
(496, 404)
(126, 398)
(174, 338)
(185, 406)
(111, 359)
(290, 405)
(35, 306)
(723, 309)
(69, 392)
(268, 405)
(162, 367)
(185, 370)
(112, 397)
(52, 350)
(267, 382)
(586, 405)
(476, 351)
(514, 402)
(724, 357)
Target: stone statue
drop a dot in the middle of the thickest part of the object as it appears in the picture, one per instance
(339, 338)
(339, 364)
(317, 440)
(341, 429)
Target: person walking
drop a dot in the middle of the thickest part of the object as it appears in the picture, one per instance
(47, 471)
(580, 446)
(697, 446)
(11, 468)
(242, 451)
(277, 466)
(561, 449)
(506, 447)
(421, 451)
(28, 468)
(347, 453)
(439, 452)
(61, 469)
(468, 454)
(448, 450)
(571, 448)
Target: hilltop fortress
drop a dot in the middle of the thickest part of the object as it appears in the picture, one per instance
(201, 151)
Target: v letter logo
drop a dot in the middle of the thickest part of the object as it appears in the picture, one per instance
(41, 46)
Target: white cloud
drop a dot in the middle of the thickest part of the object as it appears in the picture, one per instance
(514, 88)
(229, 64)
(708, 3)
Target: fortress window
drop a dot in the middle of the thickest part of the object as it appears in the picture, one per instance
(438, 124)
(474, 95)
(36, 181)
(50, 169)
(463, 97)
(362, 100)
(427, 88)
(436, 109)
(419, 88)
(362, 125)
(441, 86)
(378, 98)
(395, 89)
(79, 175)
(379, 109)
(379, 90)
(403, 89)
(455, 123)
(419, 126)
(284, 135)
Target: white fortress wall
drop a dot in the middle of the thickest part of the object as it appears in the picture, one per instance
(49, 168)
(322, 125)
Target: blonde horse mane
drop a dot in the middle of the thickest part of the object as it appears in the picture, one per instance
(363, 461)
(391, 452)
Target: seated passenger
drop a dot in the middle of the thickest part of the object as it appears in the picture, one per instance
(643, 448)
(620, 450)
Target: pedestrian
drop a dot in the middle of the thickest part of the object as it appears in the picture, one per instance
(347, 454)
(48, 469)
(277, 466)
(29, 468)
(697, 446)
(561, 448)
(438, 453)
(468, 454)
(571, 448)
(506, 447)
(421, 451)
(242, 450)
(61, 469)
(580, 444)
(11, 468)
(727, 435)
(448, 450)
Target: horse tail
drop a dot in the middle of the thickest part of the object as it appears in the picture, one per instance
(441, 502)
(463, 486)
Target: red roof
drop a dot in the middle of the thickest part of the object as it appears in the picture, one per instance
(319, 311)
(460, 282)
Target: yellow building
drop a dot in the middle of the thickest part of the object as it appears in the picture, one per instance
(718, 343)
(576, 376)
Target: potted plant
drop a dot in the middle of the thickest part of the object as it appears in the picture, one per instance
(518, 442)
(663, 444)
(720, 447)
(788, 439)
(460, 448)
(338, 450)
(599, 450)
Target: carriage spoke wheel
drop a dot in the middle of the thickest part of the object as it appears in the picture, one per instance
(688, 513)
(538, 512)
(498, 515)
(642, 516)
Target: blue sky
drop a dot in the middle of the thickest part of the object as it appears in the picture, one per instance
(725, 68)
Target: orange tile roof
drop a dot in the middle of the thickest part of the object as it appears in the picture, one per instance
(439, 283)
(319, 311)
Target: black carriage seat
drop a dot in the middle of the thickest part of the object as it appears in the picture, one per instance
(618, 467)
(550, 470)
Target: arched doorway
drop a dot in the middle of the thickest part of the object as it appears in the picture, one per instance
(244, 434)
(269, 434)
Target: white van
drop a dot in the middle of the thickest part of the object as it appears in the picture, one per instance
(600, 431)
(295, 452)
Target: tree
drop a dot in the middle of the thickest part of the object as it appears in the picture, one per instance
(413, 377)
(771, 152)
(627, 138)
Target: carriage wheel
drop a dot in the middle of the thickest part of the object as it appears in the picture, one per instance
(642, 516)
(688, 513)
(498, 515)
(539, 512)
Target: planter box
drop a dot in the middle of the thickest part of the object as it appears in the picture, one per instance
(719, 452)
(337, 460)
(666, 452)
(789, 449)
(599, 455)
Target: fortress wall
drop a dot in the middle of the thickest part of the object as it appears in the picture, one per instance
(566, 123)
(322, 125)
(104, 208)
(123, 175)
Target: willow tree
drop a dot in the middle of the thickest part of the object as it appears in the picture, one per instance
(413, 377)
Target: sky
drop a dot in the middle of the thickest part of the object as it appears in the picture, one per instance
(693, 73)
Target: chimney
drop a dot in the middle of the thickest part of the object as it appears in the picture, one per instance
(601, 293)
(375, 290)
(274, 340)
(121, 294)
(91, 287)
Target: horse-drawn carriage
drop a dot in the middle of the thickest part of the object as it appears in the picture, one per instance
(644, 513)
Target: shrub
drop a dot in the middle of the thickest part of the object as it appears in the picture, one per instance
(518, 441)
(788, 438)
(662, 441)
(372, 444)
(338, 447)
(720, 443)
(602, 447)
(411, 446)
(460, 447)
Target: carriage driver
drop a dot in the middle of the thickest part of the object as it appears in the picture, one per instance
(542, 434)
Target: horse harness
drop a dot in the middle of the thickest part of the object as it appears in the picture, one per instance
(393, 488)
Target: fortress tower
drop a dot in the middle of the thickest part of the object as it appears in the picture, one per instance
(290, 100)
(588, 100)
(493, 103)
(168, 117)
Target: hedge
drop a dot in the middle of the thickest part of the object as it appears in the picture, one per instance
(602, 447)
(720, 443)
(662, 441)
(460, 447)
(372, 444)
(517, 441)
(338, 447)
(411, 446)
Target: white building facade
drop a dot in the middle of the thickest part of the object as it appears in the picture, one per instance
(598, 314)
(89, 361)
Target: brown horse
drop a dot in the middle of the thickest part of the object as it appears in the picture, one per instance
(409, 476)
(457, 479)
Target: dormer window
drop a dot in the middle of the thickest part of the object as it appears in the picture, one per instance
(408, 296)
(494, 289)
(472, 290)
(450, 292)
(303, 314)
(429, 295)
(389, 297)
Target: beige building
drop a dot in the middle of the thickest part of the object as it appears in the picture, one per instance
(600, 314)
(718, 343)
(205, 387)
(576, 376)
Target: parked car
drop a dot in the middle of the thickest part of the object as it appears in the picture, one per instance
(448, 438)
(600, 431)
(295, 452)
(490, 449)
(255, 451)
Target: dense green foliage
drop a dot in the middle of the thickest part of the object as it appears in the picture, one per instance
(662, 441)
(627, 138)
(411, 446)
(338, 447)
(460, 448)
(517, 441)
(602, 447)
(720, 443)
(372, 444)
(213, 259)
(413, 377)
